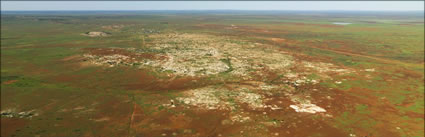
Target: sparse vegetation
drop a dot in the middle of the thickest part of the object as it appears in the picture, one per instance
(201, 75)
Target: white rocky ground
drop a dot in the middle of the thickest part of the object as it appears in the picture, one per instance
(198, 54)
(308, 108)
(12, 113)
(221, 98)
(325, 67)
(110, 60)
(205, 98)
(211, 98)
(202, 55)
(95, 34)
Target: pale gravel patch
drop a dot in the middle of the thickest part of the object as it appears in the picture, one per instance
(109, 60)
(370, 70)
(255, 101)
(304, 105)
(307, 108)
(240, 118)
(325, 67)
(203, 98)
(200, 54)
(219, 98)
(96, 34)
(13, 113)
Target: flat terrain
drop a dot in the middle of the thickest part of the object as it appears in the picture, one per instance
(212, 74)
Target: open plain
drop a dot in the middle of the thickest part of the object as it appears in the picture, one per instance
(212, 74)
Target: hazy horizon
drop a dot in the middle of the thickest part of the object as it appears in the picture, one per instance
(212, 5)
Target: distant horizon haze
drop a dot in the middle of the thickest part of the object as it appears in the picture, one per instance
(212, 5)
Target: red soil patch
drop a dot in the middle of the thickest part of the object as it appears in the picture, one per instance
(278, 40)
(407, 24)
(380, 110)
(192, 123)
(10, 82)
(149, 82)
(113, 112)
(11, 125)
(302, 126)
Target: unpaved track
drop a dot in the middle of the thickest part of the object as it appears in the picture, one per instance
(131, 119)
(387, 61)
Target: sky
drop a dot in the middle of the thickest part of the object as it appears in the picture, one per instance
(213, 5)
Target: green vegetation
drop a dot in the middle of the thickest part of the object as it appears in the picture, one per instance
(228, 63)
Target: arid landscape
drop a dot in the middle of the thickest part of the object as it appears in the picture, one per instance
(212, 74)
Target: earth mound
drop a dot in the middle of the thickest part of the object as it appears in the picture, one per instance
(96, 34)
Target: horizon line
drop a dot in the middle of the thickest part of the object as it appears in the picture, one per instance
(214, 10)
